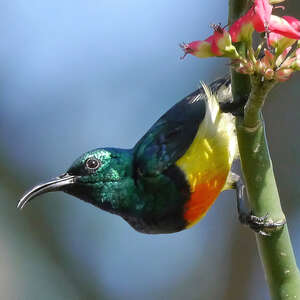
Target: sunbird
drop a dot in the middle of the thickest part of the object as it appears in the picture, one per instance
(168, 181)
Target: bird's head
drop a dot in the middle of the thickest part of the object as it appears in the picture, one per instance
(96, 176)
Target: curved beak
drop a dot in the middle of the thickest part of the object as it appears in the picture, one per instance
(51, 186)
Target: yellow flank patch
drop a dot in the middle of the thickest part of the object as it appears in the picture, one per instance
(206, 164)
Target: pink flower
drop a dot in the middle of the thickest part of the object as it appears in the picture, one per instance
(260, 19)
(286, 26)
(198, 48)
(282, 33)
(257, 18)
(262, 14)
(218, 44)
(295, 23)
(242, 29)
(280, 41)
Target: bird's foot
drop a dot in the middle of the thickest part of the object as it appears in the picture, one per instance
(262, 225)
(236, 108)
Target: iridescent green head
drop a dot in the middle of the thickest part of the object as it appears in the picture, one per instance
(98, 176)
(101, 165)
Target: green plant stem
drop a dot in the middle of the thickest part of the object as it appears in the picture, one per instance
(256, 100)
(275, 251)
(237, 8)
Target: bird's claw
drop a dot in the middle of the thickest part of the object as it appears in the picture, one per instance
(262, 225)
(236, 108)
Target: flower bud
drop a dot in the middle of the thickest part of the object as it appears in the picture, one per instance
(269, 74)
(283, 74)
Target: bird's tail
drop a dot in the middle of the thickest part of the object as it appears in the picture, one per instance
(221, 88)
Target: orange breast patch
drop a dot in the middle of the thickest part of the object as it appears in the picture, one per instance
(202, 197)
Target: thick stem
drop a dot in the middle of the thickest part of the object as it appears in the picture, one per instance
(237, 8)
(276, 251)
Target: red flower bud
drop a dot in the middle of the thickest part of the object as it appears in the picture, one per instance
(283, 74)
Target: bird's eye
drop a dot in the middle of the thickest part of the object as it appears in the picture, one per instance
(92, 164)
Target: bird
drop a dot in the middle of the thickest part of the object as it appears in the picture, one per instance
(169, 180)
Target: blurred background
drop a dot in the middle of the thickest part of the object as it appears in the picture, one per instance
(77, 75)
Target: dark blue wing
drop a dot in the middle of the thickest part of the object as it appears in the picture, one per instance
(170, 137)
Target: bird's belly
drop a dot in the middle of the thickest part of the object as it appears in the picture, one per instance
(167, 224)
(203, 195)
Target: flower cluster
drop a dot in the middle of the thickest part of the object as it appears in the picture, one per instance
(276, 58)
